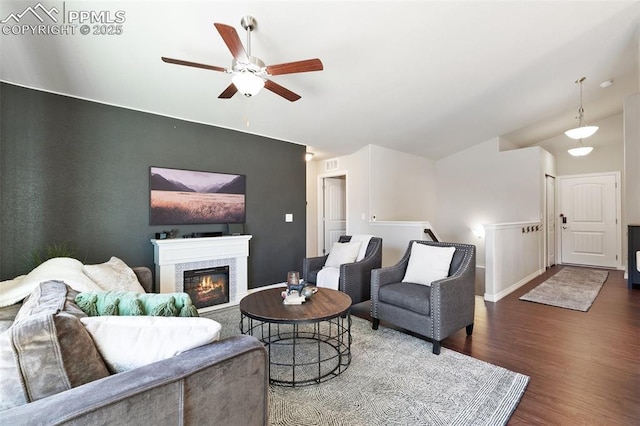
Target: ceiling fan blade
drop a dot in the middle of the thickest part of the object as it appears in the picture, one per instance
(279, 90)
(231, 39)
(228, 92)
(295, 67)
(193, 64)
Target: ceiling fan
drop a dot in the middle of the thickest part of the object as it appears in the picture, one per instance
(250, 74)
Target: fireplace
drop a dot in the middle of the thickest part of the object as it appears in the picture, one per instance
(208, 286)
(174, 256)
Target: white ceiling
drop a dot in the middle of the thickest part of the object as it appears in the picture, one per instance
(424, 77)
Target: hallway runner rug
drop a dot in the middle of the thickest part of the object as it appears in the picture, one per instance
(571, 288)
(395, 379)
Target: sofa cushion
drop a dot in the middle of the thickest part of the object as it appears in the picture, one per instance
(428, 263)
(130, 303)
(131, 342)
(342, 253)
(47, 349)
(414, 297)
(113, 275)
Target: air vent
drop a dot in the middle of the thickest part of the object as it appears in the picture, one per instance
(331, 165)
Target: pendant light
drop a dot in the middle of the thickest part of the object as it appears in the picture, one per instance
(580, 150)
(583, 130)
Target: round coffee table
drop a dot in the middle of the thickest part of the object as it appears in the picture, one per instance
(308, 343)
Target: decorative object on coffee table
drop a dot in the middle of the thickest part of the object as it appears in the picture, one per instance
(309, 291)
(294, 283)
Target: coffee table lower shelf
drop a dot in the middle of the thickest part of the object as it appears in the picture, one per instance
(303, 353)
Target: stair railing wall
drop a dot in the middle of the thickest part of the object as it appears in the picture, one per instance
(513, 256)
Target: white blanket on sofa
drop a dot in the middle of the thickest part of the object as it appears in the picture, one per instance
(60, 268)
(328, 277)
(106, 276)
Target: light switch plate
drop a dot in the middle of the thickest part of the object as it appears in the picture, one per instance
(288, 217)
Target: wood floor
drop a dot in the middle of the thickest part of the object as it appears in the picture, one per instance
(584, 366)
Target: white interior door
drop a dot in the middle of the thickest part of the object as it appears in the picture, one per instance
(550, 225)
(334, 210)
(589, 211)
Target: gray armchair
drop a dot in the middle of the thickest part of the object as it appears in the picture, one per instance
(435, 311)
(355, 278)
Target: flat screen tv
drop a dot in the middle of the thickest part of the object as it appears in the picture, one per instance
(187, 197)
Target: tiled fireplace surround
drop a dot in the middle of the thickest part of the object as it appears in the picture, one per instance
(174, 256)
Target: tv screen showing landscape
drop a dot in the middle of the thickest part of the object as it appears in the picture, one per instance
(181, 197)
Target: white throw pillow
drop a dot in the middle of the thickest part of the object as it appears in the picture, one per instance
(114, 275)
(428, 263)
(364, 244)
(342, 253)
(126, 343)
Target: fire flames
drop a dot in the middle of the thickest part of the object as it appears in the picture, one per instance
(207, 285)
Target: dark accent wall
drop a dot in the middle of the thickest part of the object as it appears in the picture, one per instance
(78, 171)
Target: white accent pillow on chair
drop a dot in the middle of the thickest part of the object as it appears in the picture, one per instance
(428, 263)
(342, 253)
(364, 244)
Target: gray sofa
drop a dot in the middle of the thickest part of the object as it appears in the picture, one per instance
(225, 382)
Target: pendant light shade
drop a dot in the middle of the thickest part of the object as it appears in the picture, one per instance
(580, 150)
(583, 130)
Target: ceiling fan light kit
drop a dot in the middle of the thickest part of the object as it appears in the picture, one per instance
(247, 83)
(250, 74)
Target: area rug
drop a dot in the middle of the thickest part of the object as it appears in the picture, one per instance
(570, 288)
(395, 379)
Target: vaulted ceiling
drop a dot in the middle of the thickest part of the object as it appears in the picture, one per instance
(424, 77)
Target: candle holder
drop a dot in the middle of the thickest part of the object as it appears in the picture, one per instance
(294, 282)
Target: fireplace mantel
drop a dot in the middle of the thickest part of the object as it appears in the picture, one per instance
(173, 256)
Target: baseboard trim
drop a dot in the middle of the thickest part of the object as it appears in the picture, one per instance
(497, 296)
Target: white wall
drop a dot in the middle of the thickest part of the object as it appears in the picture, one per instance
(312, 208)
(514, 257)
(632, 158)
(357, 166)
(356, 169)
(482, 185)
(402, 186)
(392, 185)
(631, 177)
